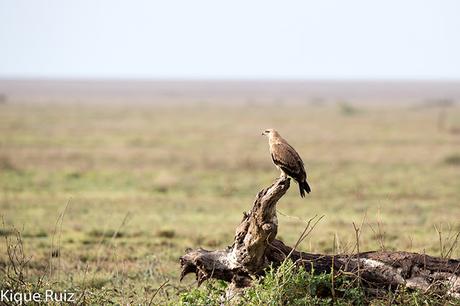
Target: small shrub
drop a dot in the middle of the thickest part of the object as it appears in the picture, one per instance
(40, 234)
(347, 109)
(73, 175)
(453, 159)
(106, 234)
(6, 232)
(166, 233)
(3, 98)
(6, 164)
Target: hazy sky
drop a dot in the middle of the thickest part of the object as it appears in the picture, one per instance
(230, 39)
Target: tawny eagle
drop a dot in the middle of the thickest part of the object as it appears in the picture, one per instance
(287, 160)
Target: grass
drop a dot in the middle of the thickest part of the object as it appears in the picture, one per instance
(146, 182)
(288, 285)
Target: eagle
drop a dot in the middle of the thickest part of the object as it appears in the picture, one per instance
(287, 160)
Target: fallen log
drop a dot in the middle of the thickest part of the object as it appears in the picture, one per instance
(255, 248)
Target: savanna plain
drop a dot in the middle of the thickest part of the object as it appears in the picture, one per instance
(103, 198)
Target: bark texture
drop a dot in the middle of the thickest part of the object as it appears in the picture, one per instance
(254, 248)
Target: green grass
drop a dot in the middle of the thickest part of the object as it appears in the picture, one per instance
(289, 285)
(147, 182)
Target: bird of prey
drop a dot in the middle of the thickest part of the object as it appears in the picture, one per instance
(287, 160)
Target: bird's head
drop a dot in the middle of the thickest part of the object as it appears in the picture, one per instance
(269, 132)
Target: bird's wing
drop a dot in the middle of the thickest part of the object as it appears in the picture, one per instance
(288, 160)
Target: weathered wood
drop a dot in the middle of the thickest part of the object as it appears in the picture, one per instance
(382, 270)
(255, 248)
(258, 229)
(247, 256)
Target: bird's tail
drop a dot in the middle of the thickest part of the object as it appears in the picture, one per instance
(303, 186)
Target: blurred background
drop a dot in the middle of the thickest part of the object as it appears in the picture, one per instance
(130, 130)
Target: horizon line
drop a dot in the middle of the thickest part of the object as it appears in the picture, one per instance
(222, 79)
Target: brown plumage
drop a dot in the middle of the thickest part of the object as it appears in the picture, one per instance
(287, 160)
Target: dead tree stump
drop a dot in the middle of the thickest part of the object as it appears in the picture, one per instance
(255, 248)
